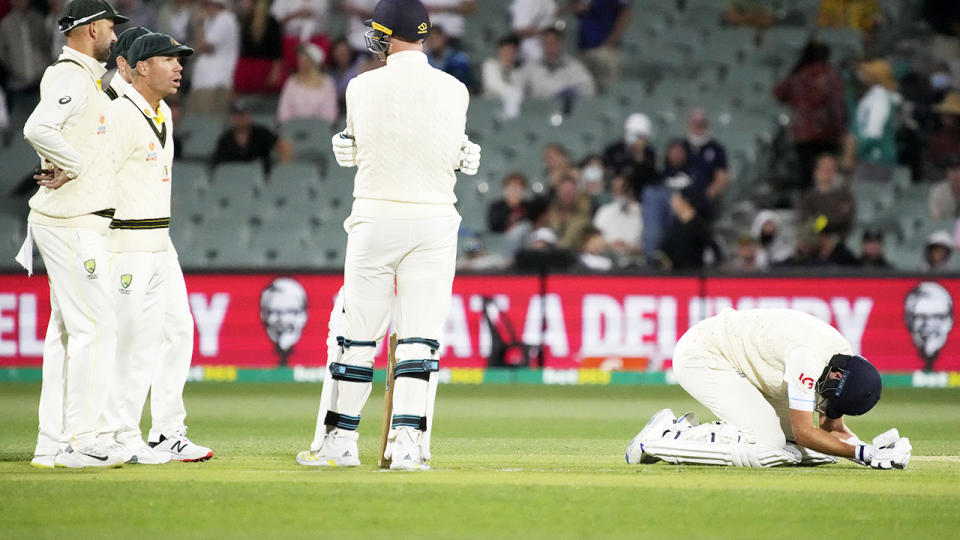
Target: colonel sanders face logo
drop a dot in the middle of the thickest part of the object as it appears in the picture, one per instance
(928, 313)
(283, 310)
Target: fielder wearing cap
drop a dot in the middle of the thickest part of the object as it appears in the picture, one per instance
(764, 372)
(123, 77)
(68, 218)
(146, 282)
(405, 133)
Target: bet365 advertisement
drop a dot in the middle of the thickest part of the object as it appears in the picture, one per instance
(607, 322)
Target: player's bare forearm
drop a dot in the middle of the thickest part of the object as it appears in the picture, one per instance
(817, 438)
(837, 428)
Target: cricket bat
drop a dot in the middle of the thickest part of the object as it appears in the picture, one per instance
(383, 462)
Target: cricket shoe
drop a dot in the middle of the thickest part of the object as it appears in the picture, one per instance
(92, 456)
(181, 448)
(333, 452)
(144, 455)
(658, 424)
(404, 451)
(43, 461)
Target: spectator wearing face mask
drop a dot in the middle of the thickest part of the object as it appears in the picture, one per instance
(768, 229)
(592, 177)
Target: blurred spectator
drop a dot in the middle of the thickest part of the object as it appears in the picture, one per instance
(450, 14)
(260, 68)
(621, 220)
(707, 158)
(874, 125)
(175, 17)
(176, 114)
(814, 91)
(592, 178)
(944, 143)
(556, 162)
(829, 198)
(302, 21)
(444, 56)
(140, 13)
(657, 214)
(937, 252)
(54, 7)
(749, 257)
(528, 19)
(568, 214)
(593, 252)
(217, 46)
(863, 15)
(556, 74)
(343, 68)
(831, 249)
(357, 11)
(513, 207)
(760, 14)
(246, 141)
(872, 250)
(476, 257)
(542, 239)
(769, 230)
(602, 24)
(24, 49)
(943, 16)
(633, 157)
(944, 199)
(309, 93)
(501, 77)
(689, 238)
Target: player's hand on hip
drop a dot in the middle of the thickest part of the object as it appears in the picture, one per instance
(345, 149)
(895, 456)
(469, 162)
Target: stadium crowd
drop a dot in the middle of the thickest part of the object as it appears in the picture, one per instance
(638, 200)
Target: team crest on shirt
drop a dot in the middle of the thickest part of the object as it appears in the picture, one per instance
(152, 154)
(102, 128)
(125, 281)
(90, 265)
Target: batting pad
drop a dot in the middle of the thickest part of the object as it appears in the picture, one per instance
(740, 454)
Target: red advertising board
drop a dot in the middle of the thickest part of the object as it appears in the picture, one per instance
(900, 324)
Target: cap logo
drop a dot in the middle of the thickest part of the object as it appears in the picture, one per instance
(422, 29)
(382, 28)
(174, 42)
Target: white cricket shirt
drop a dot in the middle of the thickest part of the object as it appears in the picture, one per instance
(408, 120)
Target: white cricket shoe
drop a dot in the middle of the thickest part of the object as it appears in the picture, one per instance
(658, 423)
(333, 452)
(404, 451)
(119, 451)
(144, 455)
(181, 448)
(43, 462)
(91, 456)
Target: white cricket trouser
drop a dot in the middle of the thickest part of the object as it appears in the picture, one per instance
(707, 376)
(80, 346)
(142, 285)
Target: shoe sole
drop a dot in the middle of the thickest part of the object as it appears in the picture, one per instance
(324, 463)
(42, 466)
(194, 460)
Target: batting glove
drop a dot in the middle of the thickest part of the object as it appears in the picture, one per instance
(896, 456)
(345, 149)
(469, 161)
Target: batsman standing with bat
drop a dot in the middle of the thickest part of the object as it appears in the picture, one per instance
(405, 134)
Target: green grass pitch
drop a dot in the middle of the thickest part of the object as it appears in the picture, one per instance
(509, 462)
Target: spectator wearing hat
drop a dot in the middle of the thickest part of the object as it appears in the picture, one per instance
(872, 249)
(818, 116)
(633, 157)
(246, 141)
(707, 158)
(444, 56)
(501, 76)
(831, 250)
(308, 93)
(937, 252)
(944, 144)
(528, 19)
(218, 47)
(829, 198)
(602, 24)
(260, 67)
(944, 199)
(770, 232)
(557, 74)
(303, 21)
(872, 141)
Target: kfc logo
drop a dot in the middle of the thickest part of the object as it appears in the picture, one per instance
(283, 311)
(928, 314)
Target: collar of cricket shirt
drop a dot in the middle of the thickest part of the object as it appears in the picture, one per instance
(89, 63)
(156, 119)
(403, 57)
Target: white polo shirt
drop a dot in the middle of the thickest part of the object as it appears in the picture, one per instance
(215, 69)
(143, 146)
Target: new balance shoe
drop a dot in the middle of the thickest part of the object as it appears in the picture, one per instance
(333, 452)
(91, 456)
(43, 462)
(404, 451)
(144, 455)
(661, 421)
(181, 448)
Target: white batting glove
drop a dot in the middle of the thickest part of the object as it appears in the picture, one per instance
(895, 456)
(345, 149)
(887, 438)
(469, 162)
